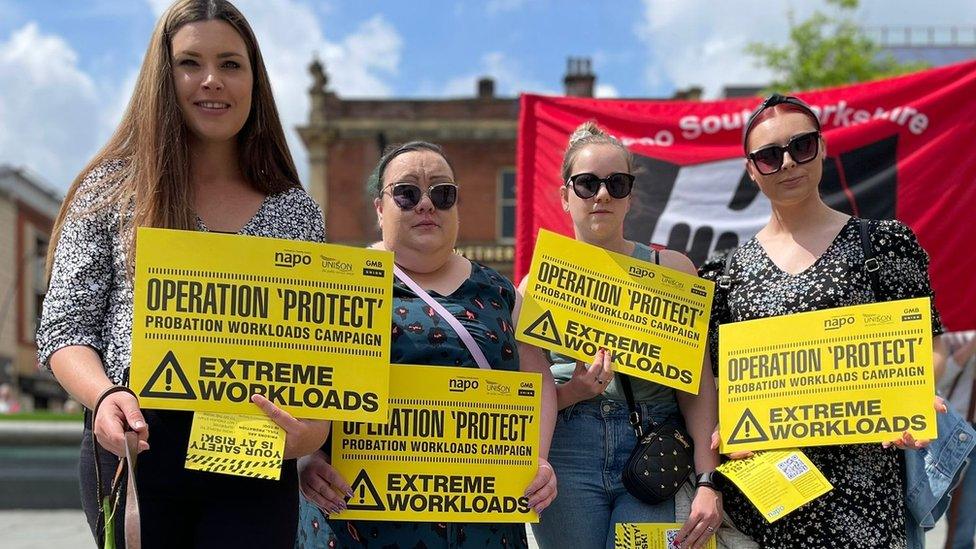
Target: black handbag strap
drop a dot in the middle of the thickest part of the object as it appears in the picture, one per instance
(871, 263)
(724, 281)
(635, 416)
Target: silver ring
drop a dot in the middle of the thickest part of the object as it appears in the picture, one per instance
(600, 381)
(709, 528)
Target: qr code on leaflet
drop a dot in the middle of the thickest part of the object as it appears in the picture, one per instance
(670, 536)
(792, 467)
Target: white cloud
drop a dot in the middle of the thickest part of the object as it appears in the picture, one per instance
(699, 42)
(289, 33)
(510, 79)
(48, 105)
(606, 91)
(55, 116)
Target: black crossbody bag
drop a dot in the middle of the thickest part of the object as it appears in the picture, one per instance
(663, 458)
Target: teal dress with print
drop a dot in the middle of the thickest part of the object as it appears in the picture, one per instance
(483, 304)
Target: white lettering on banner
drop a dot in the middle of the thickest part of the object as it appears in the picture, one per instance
(837, 115)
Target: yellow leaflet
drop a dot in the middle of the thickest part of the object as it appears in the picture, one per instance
(231, 444)
(777, 482)
(633, 535)
(461, 445)
(581, 297)
(218, 318)
(837, 376)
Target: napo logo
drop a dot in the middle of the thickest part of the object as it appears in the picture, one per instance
(291, 258)
(462, 384)
(334, 265)
(838, 322)
(641, 272)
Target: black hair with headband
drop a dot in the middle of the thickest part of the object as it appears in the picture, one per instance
(772, 101)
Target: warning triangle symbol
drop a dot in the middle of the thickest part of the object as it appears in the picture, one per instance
(544, 328)
(747, 430)
(168, 381)
(364, 495)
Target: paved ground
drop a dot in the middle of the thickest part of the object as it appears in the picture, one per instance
(67, 529)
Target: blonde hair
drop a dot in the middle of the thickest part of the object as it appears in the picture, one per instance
(150, 142)
(589, 133)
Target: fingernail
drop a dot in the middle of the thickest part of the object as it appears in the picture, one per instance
(139, 424)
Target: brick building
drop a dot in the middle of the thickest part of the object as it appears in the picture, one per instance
(27, 213)
(345, 137)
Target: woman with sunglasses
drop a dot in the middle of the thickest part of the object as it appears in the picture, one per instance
(415, 194)
(593, 437)
(809, 257)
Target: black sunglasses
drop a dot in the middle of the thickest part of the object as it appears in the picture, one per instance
(802, 148)
(407, 195)
(586, 185)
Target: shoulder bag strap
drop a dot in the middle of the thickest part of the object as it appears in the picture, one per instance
(871, 263)
(462, 332)
(635, 416)
(724, 281)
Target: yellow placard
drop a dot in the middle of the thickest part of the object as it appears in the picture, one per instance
(580, 297)
(218, 318)
(233, 444)
(777, 482)
(461, 445)
(837, 376)
(650, 535)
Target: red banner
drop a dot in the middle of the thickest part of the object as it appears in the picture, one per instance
(898, 148)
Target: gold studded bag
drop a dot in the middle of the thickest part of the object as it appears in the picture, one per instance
(662, 460)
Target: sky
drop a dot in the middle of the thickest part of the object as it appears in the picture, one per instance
(67, 67)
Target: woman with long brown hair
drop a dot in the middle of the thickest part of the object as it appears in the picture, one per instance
(200, 147)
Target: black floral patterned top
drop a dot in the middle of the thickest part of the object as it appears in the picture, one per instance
(866, 508)
(89, 300)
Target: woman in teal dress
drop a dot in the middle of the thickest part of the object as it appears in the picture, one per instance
(415, 195)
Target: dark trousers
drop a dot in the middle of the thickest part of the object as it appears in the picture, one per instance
(182, 508)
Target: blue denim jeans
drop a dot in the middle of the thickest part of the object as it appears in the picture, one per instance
(964, 504)
(590, 447)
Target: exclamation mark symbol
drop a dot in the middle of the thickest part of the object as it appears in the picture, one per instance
(748, 423)
(362, 493)
(545, 326)
(169, 379)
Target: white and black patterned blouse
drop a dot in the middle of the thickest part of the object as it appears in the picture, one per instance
(89, 300)
(866, 508)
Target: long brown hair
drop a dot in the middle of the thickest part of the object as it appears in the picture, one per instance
(151, 141)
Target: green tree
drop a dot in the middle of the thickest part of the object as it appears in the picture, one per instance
(825, 50)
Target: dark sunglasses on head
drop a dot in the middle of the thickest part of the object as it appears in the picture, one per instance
(407, 195)
(802, 148)
(586, 185)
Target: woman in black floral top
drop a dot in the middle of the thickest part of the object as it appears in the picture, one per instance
(809, 257)
(199, 148)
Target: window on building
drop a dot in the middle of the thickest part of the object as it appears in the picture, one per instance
(34, 283)
(506, 205)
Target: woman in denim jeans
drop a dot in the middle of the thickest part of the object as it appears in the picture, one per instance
(593, 437)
